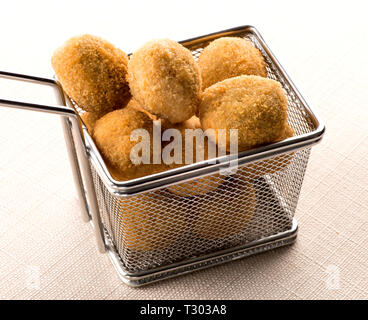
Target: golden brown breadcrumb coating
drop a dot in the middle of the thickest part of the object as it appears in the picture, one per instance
(164, 78)
(222, 218)
(112, 136)
(253, 105)
(229, 57)
(89, 119)
(93, 73)
(148, 223)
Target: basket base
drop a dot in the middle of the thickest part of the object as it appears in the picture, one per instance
(134, 280)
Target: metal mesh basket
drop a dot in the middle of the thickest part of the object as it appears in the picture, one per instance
(208, 214)
(193, 217)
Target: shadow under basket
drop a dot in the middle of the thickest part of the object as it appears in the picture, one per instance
(192, 217)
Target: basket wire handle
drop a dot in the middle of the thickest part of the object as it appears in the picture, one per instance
(77, 151)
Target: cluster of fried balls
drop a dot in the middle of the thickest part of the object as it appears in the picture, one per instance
(227, 88)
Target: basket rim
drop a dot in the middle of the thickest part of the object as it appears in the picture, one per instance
(207, 167)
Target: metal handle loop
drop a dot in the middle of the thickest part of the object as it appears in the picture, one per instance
(77, 152)
(56, 109)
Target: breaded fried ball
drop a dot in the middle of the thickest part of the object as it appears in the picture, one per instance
(89, 119)
(164, 78)
(230, 57)
(222, 216)
(147, 223)
(254, 106)
(112, 136)
(93, 73)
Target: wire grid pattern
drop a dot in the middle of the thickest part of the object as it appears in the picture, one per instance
(211, 213)
(162, 227)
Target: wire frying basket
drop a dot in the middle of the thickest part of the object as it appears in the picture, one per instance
(189, 218)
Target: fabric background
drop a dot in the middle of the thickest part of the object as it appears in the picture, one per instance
(47, 252)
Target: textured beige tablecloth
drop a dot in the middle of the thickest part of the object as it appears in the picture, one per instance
(47, 252)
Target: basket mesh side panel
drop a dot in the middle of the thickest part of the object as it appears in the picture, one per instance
(162, 227)
(211, 213)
